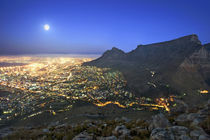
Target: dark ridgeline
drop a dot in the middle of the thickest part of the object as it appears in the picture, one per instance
(177, 66)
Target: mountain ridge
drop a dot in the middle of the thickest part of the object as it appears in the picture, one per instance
(166, 59)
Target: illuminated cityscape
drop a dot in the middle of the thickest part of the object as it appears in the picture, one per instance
(104, 70)
(52, 84)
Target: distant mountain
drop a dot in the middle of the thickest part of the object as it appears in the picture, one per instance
(177, 66)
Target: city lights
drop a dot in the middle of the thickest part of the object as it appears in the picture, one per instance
(51, 85)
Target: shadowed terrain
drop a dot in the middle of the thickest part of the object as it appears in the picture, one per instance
(177, 66)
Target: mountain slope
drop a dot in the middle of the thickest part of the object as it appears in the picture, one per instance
(161, 67)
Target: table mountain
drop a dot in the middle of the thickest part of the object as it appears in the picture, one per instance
(178, 66)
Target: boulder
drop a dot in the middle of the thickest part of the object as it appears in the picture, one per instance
(192, 116)
(197, 121)
(108, 138)
(184, 137)
(182, 118)
(161, 134)
(121, 130)
(45, 130)
(179, 130)
(205, 111)
(83, 136)
(159, 121)
(204, 137)
(196, 133)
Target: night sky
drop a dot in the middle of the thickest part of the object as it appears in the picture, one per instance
(93, 26)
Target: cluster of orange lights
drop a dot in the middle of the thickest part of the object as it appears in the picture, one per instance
(164, 103)
(161, 103)
(204, 91)
(110, 102)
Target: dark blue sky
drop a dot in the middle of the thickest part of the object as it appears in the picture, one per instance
(93, 26)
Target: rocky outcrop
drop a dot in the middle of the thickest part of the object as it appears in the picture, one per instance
(194, 119)
(114, 53)
(121, 131)
(83, 136)
(161, 134)
(158, 127)
(179, 132)
(159, 121)
(196, 66)
(109, 58)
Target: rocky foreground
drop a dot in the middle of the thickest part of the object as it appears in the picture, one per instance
(193, 124)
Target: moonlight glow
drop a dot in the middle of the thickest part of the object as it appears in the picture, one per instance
(46, 27)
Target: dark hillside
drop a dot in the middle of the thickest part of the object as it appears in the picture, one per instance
(162, 65)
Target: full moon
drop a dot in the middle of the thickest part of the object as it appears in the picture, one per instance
(46, 27)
